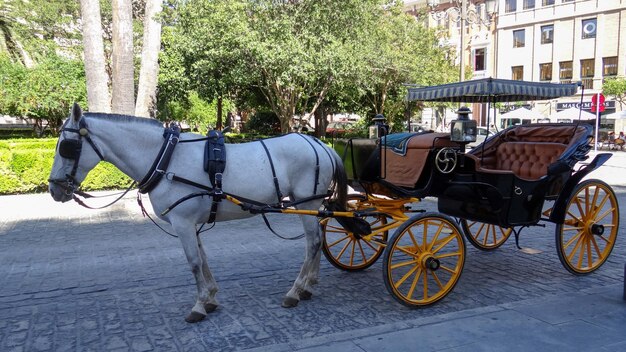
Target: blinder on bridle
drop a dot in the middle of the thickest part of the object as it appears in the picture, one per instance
(71, 148)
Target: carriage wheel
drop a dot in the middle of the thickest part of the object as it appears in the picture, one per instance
(424, 259)
(347, 251)
(587, 235)
(484, 236)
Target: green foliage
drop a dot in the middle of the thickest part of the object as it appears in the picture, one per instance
(25, 166)
(350, 55)
(264, 122)
(616, 87)
(44, 92)
(195, 111)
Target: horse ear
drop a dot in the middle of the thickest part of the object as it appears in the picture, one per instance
(77, 113)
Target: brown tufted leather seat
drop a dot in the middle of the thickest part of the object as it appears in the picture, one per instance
(526, 151)
(527, 160)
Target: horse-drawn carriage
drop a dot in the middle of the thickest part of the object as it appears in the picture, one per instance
(496, 189)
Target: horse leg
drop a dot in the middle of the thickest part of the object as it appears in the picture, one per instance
(187, 234)
(212, 304)
(309, 273)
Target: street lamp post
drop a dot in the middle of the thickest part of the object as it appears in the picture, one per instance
(459, 11)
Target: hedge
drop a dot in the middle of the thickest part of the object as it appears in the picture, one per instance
(25, 166)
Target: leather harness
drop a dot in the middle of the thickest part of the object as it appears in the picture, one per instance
(214, 164)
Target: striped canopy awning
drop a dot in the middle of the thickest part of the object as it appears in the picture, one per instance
(492, 90)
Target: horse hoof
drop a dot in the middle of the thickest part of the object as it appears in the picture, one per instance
(290, 302)
(210, 307)
(305, 295)
(194, 317)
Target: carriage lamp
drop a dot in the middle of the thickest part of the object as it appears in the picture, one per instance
(380, 128)
(463, 129)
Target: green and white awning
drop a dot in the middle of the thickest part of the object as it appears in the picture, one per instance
(492, 90)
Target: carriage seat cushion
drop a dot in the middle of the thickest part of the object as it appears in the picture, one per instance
(527, 160)
(404, 169)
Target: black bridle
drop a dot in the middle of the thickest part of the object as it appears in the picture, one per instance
(71, 148)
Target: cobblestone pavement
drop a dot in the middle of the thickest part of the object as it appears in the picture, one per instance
(77, 280)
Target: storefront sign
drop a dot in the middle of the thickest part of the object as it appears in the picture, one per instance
(586, 105)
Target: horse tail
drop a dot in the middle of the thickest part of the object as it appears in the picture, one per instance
(340, 184)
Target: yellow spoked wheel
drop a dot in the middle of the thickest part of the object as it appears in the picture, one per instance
(348, 251)
(483, 236)
(424, 259)
(587, 235)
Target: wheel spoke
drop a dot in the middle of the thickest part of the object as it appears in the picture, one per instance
(581, 253)
(453, 272)
(604, 215)
(434, 273)
(445, 242)
(578, 243)
(404, 250)
(343, 250)
(405, 263)
(425, 284)
(575, 237)
(435, 238)
(406, 276)
(362, 252)
(412, 237)
(448, 255)
(414, 283)
(352, 253)
(596, 247)
(339, 240)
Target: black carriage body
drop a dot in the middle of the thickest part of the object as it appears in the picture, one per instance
(506, 180)
(404, 167)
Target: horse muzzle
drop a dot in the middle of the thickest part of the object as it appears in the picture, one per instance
(61, 190)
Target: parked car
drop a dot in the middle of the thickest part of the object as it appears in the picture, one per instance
(482, 135)
(339, 128)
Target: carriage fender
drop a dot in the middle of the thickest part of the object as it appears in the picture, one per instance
(558, 211)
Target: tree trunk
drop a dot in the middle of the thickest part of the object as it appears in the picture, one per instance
(123, 86)
(98, 98)
(148, 74)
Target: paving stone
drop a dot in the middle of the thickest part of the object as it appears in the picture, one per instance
(115, 283)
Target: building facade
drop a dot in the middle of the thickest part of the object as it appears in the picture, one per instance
(562, 41)
(558, 41)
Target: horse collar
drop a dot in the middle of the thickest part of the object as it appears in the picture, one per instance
(159, 166)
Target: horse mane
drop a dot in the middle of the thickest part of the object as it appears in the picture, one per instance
(123, 118)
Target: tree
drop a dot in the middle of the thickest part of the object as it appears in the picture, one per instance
(123, 79)
(98, 97)
(146, 89)
(616, 87)
(44, 92)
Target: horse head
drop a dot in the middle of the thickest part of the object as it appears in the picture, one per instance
(72, 161)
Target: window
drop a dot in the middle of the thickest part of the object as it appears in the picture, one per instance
(519, 38)
(547, 34)
(517, 73)
(609, 66)
(547, 2)
(529, 4)
(566, 71)
(510, 6)
(587, 72)
(589, 28)
(545, 72)
(479, 59)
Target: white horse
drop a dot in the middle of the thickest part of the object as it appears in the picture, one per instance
(132, 144)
